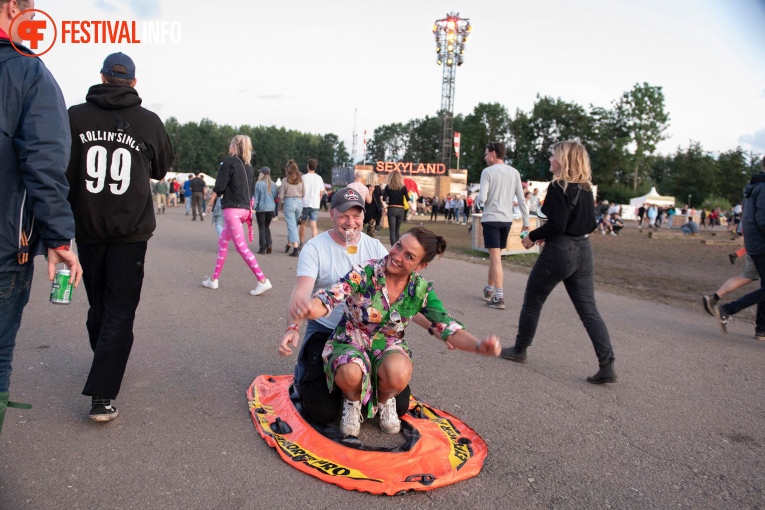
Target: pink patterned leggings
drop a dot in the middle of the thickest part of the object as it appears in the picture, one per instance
(233, 230)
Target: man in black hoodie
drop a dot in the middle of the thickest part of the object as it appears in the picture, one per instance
(753, 226)
(117, 147)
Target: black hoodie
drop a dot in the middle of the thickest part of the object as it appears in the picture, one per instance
(108, 176)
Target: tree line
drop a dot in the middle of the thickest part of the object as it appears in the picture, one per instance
(620, 138)
(200, 147)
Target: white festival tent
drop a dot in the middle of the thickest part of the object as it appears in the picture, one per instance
(652, 197)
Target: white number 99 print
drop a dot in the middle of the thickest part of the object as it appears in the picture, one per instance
(119, 170)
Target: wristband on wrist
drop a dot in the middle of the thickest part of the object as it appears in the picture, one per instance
(63, 247)
(293, 326)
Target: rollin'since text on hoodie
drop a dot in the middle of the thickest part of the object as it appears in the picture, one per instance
(108, 136)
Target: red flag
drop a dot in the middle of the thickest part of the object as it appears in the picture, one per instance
(457, 143)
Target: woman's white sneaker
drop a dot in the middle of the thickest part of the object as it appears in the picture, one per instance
(210, 284)
(389, 420)
(350, 422)
(261, 288)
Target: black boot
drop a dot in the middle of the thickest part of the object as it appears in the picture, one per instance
(517, 354)
(606, 374)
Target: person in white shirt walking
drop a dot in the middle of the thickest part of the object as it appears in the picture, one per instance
(499, 184)
(314, 190)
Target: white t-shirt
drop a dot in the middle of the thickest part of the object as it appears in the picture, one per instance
(326, 261)
(314, 185)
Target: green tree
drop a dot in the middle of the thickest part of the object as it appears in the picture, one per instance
(388, 143)
(552, 121)
(734, 172)
(692, 172)
(489, 122)
(424, 140)
(608, 157)
(641, 112)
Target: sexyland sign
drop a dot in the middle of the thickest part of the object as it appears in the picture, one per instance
(411, 168)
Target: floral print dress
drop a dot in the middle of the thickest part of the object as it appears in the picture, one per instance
(372, 327)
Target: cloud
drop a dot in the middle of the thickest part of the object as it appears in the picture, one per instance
(105, 6)
(146, 8)
(763, 93)
(141, 8)
(271, 96)
(756, 140)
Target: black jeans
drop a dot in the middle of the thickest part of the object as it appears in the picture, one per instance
(753, 298)
(264, 228)
(396, 216)
(113, 277)
(569, 260)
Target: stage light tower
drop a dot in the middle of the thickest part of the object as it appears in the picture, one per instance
(451, 35)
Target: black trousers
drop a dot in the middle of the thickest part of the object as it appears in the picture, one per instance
(113, 277)
(264, 228)
(566, 259)
(396, 216)
(753, 298)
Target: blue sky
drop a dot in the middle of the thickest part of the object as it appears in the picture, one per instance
(307, 65)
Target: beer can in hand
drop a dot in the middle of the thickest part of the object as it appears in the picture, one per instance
(61, 290)
(524, 234)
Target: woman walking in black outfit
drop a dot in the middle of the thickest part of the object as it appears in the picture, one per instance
(394, 195)
(567, 257)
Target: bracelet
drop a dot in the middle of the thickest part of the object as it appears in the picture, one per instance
(293, 326)
(478, 347)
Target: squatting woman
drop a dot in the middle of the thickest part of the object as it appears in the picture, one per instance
(567, 257)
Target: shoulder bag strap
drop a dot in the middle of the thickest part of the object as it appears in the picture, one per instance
(124, 127)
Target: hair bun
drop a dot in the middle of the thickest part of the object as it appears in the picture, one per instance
(441, 245)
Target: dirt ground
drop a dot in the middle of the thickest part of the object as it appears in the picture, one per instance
(670, 268)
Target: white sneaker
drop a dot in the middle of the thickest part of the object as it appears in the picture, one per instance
(389, 420)
(261, 288)
(210, 284)
(350, 422)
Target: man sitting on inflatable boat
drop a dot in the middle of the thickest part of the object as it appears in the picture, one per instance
(366, 356)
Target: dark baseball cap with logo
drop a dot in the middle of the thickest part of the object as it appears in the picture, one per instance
(345, 198)
(119, 59)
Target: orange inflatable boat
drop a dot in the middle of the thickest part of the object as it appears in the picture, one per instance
(439, 449)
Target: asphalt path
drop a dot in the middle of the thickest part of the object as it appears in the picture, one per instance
(683, 427)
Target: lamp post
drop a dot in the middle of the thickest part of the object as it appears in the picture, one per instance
(451, 35)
